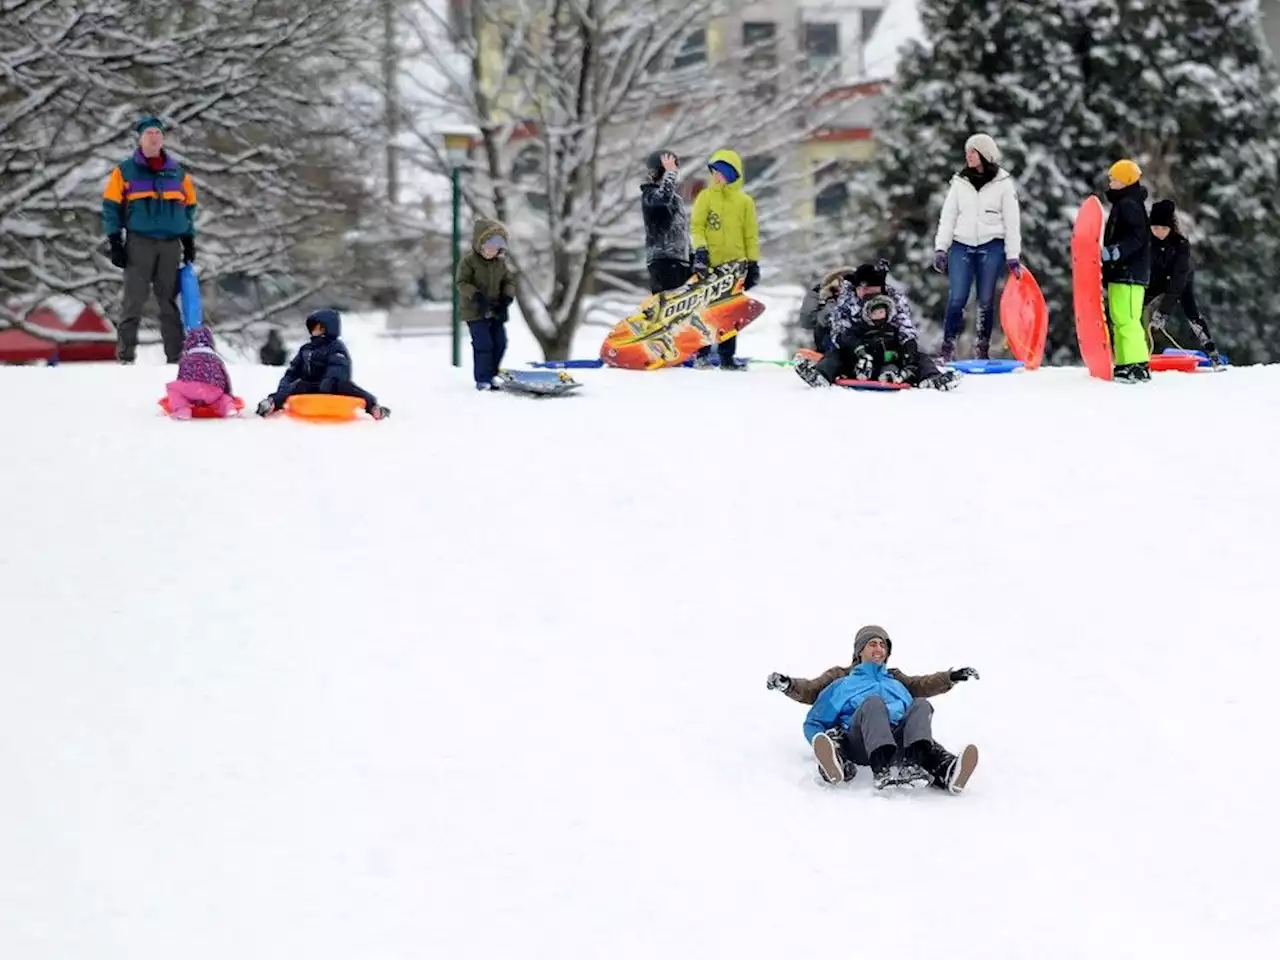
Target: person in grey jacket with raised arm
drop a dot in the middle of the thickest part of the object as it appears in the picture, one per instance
(666, 224)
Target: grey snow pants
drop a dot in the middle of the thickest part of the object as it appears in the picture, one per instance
(870, 729)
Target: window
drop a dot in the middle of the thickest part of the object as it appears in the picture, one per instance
(526, 171)
(693, 52)
(527, 163)
(755, 170)
(870, 20)
(832, 200)
(821, 44)
(759, 39)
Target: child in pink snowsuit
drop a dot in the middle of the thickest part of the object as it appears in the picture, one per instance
(202, 378)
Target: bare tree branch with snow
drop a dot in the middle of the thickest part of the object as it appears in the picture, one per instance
(253, 92)
(568, 96)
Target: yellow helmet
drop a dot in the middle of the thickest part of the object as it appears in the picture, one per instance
(1126, 171)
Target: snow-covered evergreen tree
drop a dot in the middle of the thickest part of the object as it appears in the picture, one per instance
(1189, 90)
(1004, 67)
(1066, 87)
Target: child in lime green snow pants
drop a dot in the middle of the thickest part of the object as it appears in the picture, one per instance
(1126, 270)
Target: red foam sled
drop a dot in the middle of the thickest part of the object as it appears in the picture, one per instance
(853, 384)
(1024, 317)
(202, 412)
(1086, 290)
(1163, 362)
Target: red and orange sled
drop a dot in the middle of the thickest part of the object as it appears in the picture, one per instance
(672, 327)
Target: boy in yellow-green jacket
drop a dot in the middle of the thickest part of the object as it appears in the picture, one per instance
(722, 228)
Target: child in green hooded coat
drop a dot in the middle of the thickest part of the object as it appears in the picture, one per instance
(486, 288)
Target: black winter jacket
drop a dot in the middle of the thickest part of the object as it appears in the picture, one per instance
(1129, 230)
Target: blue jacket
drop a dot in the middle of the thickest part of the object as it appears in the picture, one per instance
(323, 360)
(836, 704)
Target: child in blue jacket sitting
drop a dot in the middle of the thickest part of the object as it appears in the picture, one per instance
(322, 365)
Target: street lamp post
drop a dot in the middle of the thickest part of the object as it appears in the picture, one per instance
(456, 146)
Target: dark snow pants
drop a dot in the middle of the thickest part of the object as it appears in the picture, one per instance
(152, 266)
(842, 363)
(870, 729)
(488, 345)
(340, 388)
(665, 275)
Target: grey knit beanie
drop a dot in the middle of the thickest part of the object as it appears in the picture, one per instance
(865, 635)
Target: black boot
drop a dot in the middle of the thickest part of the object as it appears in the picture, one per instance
(950, 772)
(881, 767)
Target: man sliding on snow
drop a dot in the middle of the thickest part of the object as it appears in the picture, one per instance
(866, 713)
(873, 337)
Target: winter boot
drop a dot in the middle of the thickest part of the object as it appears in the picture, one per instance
(1126, 373)
(946, 380)
(732, 363)
(882, 769)
(266, 407)
(378, 412)
(831, 762)
(950, 772)
(1215, 358)
(807, 371)
(982, 350)
(701, 362)
(910, 771)
(948, 352)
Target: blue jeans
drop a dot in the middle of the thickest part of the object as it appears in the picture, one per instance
(965, 264)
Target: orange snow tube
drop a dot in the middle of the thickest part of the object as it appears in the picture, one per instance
(1086, 289)
(323, 406)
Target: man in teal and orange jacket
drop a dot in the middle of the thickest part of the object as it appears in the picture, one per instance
(148, 214)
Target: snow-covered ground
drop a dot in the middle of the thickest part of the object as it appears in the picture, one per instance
(486, 680)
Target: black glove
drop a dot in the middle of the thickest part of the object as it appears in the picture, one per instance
(482, 306)
(701, 262)
(188, 249)
(753, 274)
(118, 256)
(503, 310)
(890, 374)
(964, 673)
(778, 681)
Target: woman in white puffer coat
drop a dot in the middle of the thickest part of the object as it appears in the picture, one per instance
(979, 232)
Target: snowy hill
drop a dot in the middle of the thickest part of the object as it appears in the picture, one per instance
(487, 680)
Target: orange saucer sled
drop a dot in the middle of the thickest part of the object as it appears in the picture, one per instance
(323, 406)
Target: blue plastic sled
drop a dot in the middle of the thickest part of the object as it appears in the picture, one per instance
(1198, 354)
(567, 364)
(189, 286)
(984, 366)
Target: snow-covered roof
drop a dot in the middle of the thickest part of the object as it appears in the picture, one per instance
(899, 25)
